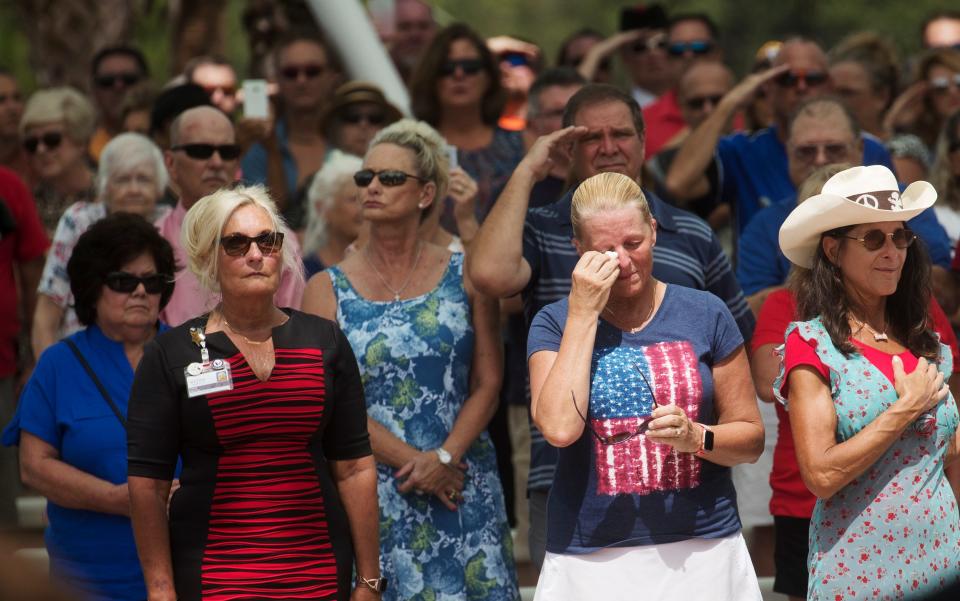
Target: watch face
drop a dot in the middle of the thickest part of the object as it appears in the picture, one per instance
(708, 440)
(444, 455)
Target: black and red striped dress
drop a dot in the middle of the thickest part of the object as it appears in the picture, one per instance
(257, 515)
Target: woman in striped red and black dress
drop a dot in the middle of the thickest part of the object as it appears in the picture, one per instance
(265, 408)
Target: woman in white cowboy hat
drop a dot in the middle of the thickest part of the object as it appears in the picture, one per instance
(873, 421)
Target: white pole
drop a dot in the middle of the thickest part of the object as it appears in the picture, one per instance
(346, 25)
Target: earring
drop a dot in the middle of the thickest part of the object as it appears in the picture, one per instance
(421, 205)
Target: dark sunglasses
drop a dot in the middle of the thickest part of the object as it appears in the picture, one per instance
(309, 71)
(469, 66)
(697, 103)
(835, 153)
(875, 239)
(387, 177)
(50, 141)
(618, 437)
(121, 281)
(356, 118)
(202, 152)
(514, 59)
(109, 81)
(238, 245)
(696, 47)
(790, 79)
(941, 85)
(14, 97)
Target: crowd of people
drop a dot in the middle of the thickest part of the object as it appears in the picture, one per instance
(306, 356)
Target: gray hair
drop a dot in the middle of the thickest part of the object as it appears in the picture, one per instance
(327, 183)
(125, 153)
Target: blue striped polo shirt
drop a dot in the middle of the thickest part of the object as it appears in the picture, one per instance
(687, 253)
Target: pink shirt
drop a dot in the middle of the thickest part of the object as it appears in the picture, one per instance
(190, 299)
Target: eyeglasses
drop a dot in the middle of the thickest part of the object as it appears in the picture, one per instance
(14, 97)
(50, 141)
(807, 153)
(698, 102)
(469, 66)
(109, 81)
(875, 239)
(810, 79)
(358, 117)
(121, 281)
(696, 47)
(202, 152)
(655, 42)
(618, 437)
(238, 245)
(940, 85)
(387, 177)
(309, 71)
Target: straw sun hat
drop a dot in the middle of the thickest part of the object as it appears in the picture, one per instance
(854, 196)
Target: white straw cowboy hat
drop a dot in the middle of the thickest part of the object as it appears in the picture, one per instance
(854, 196)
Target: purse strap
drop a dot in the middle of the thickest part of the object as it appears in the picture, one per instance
(96, 380)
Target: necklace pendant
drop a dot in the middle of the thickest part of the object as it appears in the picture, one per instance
(396, 297)
(880, 337)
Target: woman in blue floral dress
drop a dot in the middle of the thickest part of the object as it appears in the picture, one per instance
(429, 354)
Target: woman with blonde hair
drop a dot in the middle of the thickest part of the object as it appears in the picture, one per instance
(429, 352)
(265, 407)
(646, 389)
(55, 129)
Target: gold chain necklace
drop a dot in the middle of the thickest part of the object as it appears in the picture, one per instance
(396, 292)
(247, 340)
(653, 304)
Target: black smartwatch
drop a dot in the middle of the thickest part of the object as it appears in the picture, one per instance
(377, 585)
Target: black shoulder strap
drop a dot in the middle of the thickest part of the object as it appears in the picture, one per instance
(96, 380)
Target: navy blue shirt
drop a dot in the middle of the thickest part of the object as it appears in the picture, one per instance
(687, 253)
(641, 492)
(761, 264)
(754, 171)
(93, 552)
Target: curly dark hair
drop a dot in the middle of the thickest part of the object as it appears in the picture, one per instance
(107, 246)
(820, 291)
(423, 84)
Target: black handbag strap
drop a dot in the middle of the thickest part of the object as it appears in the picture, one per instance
(96, 380)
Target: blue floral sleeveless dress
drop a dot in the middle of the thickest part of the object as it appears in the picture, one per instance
(894, 531)
(415, 357)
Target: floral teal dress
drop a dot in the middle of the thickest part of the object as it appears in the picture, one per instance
(415, 357)
(894, 531)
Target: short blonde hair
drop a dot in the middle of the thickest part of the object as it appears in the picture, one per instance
(606, 192)
(65, 105)
(429, 149)
(203, 227)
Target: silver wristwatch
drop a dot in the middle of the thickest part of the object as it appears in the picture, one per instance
(444, 455)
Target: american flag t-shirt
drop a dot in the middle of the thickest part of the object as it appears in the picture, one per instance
(620, 401)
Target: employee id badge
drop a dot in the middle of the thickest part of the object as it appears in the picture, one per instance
(204, 378)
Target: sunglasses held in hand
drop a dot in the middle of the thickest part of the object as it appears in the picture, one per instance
(619, 437)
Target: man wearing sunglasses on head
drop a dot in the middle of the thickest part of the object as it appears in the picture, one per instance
(202, 159)
(114, 71)
(755, 172)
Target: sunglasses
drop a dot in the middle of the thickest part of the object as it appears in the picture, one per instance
(469, 66)
(387, 177)
(109, 81)
(697, 48)
(309, 72)
(356, 118)
(50, 141)
(790, 79)
(14, 97)
(940, 85)
(835, 153)
(698, 102)
(202, 152)
(875, 239)
(238, 245)
(514, 59)
(121, 281)
(618, 437)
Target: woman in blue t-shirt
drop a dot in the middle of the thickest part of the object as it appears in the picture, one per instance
(70, 422)
(646, 389)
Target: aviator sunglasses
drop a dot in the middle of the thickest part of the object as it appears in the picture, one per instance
(202, 152)
(875, 239)
(50, 141)
(618, 437)
(238, 245)
(121, 281)
(387, 177)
